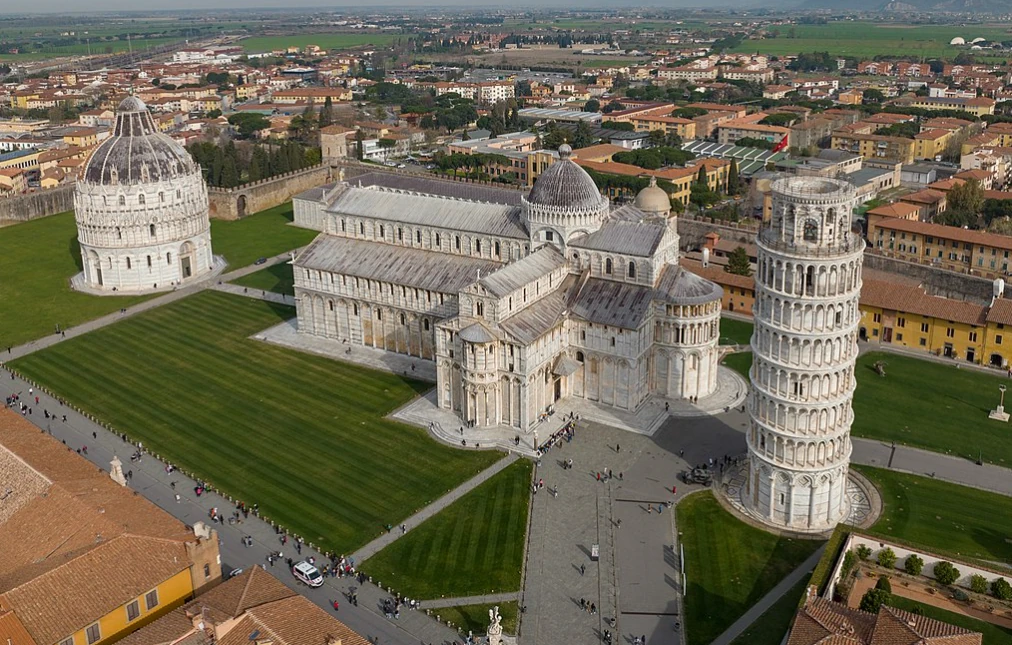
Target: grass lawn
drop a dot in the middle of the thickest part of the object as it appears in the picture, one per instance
(993, 634)
(277, 278)
(740, 362)
(947, 517)
(37, 260)
(729, 564)
(869, 39)
(735, 332)
(474, 546)
(325, 41)
(770, 628)
(932, 406)
(301, 435)
(475, 617)
(260, 235)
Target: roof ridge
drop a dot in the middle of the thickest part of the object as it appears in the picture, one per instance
(27, 465)
(245, 590)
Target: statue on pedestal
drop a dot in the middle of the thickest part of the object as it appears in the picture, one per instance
(116, 471)
(494, 628)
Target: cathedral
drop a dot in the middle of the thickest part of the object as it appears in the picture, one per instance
(520, 302)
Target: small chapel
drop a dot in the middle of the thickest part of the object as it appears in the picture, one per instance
(519, 302)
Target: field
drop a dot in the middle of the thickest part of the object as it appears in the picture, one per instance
(258, 44)
(729, 565)
(278, 278)
(262, 234)
(37, 260)
(474, 618)
(735, 332)
(475, 546)
(769, 629)
(993, 634)
(95, 48)
(302, 435)
(947, 517)
(932, 406)
(740, 362)
(867, 40)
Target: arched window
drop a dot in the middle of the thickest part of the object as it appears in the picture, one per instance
(425, 324)
(477, 247)
(479, 309)
(400, 234)
(418, 237)
(497, 249)
(382, 231)
(579, 357)
(607, 266)
(168, 258)
(811, 230)
(151, 228)
(379, 315)
(361, 228)
(122, 200)
(140, 199)
(437, 240)
(128, 263)
(402, 319)
(632, 269)
(456, 242)
(119, 233)
(149, 261)
(161, 197)
(355, 309)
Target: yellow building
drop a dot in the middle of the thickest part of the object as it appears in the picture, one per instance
(874, 146)
(684, 128)
(949, 247)
(978, 106)
(86, 561)
(929, 144)
(82, 137)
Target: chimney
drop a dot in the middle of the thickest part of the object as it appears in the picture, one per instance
(201, 530)
(333, 640)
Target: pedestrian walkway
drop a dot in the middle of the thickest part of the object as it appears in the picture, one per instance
(391, 536)
(175, 493)
(767, 601)
(177, 294)
(259, 294)
(490, 599)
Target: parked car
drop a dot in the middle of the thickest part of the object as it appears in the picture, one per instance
(261, 261)
(307, 574)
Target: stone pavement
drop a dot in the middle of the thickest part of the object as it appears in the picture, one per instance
(372, 548)
(151, 480)
(767, 601)
(108, 319)
(259, 294)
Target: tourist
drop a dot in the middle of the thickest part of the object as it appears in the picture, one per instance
(583, 569)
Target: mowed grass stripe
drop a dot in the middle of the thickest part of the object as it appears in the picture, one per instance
(475, 546)
(301, 435)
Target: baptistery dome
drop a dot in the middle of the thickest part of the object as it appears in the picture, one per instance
(141, 209)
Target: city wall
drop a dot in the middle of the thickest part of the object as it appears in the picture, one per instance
(42, 203)
(236, 203)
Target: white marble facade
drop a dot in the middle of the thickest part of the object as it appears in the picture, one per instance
(519, 304)
(141, 209)
(806, 313)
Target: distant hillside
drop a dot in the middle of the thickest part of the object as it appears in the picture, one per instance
(982, 6)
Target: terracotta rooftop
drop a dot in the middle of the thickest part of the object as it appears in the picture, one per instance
(821, 622)
(980, 238)
(896, 209)
(926, 196)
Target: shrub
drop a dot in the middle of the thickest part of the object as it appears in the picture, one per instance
(849, 560)
(887, 558)
(1001, 589)
(873, 599)
(884, 584)
(863, 552)
(960, 595)
(945, 573)
(978, 583)
(913, 564)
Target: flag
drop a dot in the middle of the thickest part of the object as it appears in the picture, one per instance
(782, 145)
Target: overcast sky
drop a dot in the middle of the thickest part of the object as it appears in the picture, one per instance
(76, 6)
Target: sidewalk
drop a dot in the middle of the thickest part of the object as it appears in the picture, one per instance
(767, 601)
(151, 480)
(473, 600)
(377, 545)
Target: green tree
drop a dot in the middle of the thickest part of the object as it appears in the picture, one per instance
(887, 558)
(359, 145)
(733, 180)
(913, 564)
(247, 124)
(978, 583)
(229, 173)
(873, 599)
(583, 137)
(327, 113)
(593, 105)
(737, 262)
(701, 177)
(1001, 589)
(945, 573)
(873, 96)
(884, 584)
(863, 552)
(967, 197)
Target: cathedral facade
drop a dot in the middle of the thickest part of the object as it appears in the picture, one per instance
(520, 303)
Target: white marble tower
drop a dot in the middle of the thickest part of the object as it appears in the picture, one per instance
(808, 281)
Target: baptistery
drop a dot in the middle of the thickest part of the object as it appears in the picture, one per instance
(141, 209)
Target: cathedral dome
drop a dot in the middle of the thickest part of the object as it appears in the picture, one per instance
(565, 185)
(653, 199)
(137, 152)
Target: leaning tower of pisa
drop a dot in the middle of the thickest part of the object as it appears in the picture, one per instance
(808, 281)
